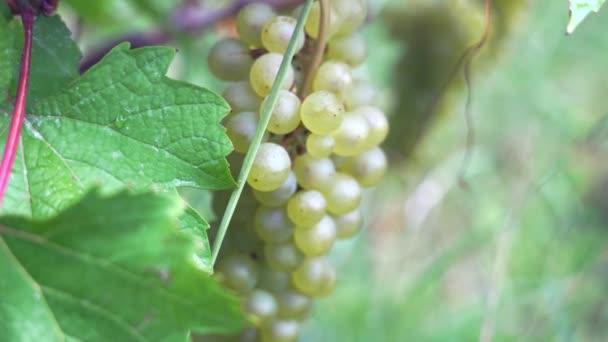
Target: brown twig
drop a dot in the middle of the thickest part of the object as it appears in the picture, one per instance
(319, 49)
(468, 112)
(187, 19)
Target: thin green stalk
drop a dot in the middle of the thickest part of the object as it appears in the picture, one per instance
(259, 134)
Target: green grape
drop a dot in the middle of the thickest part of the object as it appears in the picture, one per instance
(281, 331)
(261, 305)
(319, 146)
(367, 168)
(279, 196)
(239, 272)
(332, 76)
(278, 31)
(378, 125)
(314, 19)
(359, 94)
(352, 15)
(241, 97)
(265, 70)
(351, 49)
(352, 135)
(308, 278)
(313, 173)
(322, 112)
(306, 208)
(284, 257)
(293, 305)
(272, 224)
(250, 22)
(285, 116)
(229, 60)
(241, 128)
(272, 280)
(349, 224)
(317, 239)
(270, 167)
(328, 283)
(342, 195)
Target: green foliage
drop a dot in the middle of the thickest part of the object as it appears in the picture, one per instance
(579, 10)
(107, 269)
(122, 123)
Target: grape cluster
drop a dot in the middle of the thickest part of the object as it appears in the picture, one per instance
(320, 150)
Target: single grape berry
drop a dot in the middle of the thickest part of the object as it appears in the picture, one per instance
(272, 224)
(229, 60)
(265, 70)
(316, 240)
(270, 167)
(306, 208)
(285, 116)
(278, 31)
(280, 195)
(241, 97)
(250, 21)
(322, 112)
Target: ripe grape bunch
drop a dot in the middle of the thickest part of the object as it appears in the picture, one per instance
(320, 150)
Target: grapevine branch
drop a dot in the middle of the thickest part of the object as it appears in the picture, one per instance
(319, 50)
(14, 132)
(186, 19)
(468, 56)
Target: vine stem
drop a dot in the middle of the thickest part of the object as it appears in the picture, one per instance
(319, 48)
(267, 109)
(14, 133)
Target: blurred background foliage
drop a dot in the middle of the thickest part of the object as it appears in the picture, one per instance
(511, 245)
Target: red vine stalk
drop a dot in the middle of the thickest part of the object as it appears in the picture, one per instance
(14, 133)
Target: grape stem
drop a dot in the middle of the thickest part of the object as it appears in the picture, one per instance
(319, 49)
(189, 18)
(14, 132)
(267, 109)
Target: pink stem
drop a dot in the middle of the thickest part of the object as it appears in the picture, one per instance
(14, 133)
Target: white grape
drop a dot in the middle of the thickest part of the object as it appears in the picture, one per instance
(270, 167)
(241, 128)
(241, 97)
(313, 173)
(319, 146)
(322, 112)
(250, 21)
(349, 224)
(229, 60)
(264, 71)
(279, 196)
(368, 168)
(342, 195)
(285, 116)
(318, 239)
(306, 208)
(350, 49)
(352, 135)
(272, 224)
(278, 31)
(332, 76)
(377, 123)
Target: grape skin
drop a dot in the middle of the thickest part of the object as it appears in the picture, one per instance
(250, 22)
(265, 70)
(318, 239)
(278, 31)
(306, 208)
(270, 167)
(322, 112)
(229, 60)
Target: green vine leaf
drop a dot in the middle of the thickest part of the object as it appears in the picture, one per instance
(579, 10)
(108, 269)
(121, 123)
